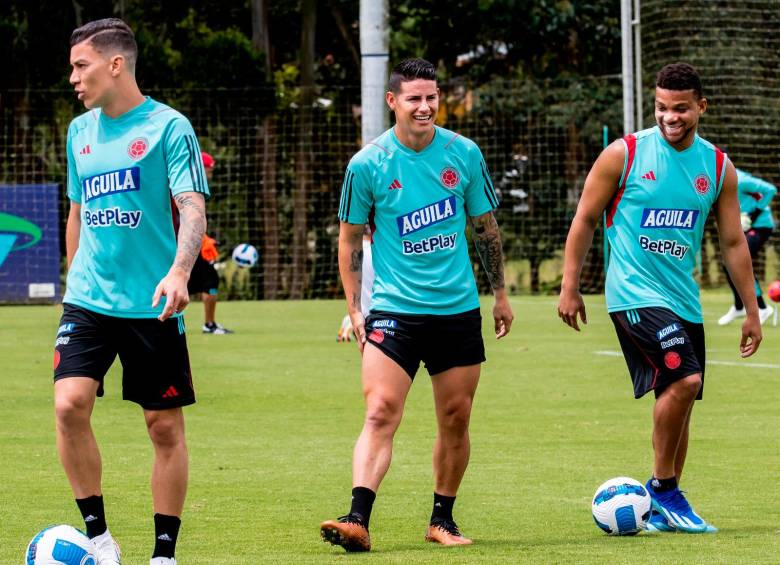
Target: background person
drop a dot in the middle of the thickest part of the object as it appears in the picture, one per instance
(755, 204)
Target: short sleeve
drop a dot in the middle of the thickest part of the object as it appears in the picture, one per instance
(74, 185)
(480, 194)
(183, 159)
(357, 198)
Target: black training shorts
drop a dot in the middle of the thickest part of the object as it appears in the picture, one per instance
(441, 342)
(204, 277)
(660, 348)
(155, 362)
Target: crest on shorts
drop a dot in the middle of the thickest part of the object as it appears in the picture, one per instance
(377, 336)
(449, 177)
(137, 148)
(672, 360)
(702, 184)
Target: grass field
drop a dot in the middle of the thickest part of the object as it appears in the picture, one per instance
(279, 408)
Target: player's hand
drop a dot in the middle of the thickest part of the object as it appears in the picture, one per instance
(502, 314)
(751, 336)
(174, 288)
(570, 304)
(359, 328)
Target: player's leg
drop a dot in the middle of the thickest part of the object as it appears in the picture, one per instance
(170, 472)
(156, 375)
(83, 353)
(385, 387)
(682, 447)
(756, 238)
(453, 393)
(209, 308)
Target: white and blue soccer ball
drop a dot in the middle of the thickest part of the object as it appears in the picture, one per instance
(621, 506)
(245, 255)
(60, 545)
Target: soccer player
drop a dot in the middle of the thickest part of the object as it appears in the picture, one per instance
(420, 183)
(204, 278)
(658, 186)
(128, 156)
(755, 199)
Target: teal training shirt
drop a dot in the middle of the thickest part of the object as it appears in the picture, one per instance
(656, 220)
(755, 199)
(418, 203)
(124, 171)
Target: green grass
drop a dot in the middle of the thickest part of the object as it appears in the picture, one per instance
(280, 405)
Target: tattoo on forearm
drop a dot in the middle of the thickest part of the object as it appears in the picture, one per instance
(356, 300)
(356, 262)
(487, 240)
(192, 225)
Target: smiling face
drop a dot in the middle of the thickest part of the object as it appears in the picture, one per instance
(415, 106)
(93, 75)
(677, 113)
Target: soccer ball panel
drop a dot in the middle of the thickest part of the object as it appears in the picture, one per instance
(60, 545)
(621, 506)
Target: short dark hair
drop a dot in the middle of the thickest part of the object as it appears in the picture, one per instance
(106, 35)
(408, 70)
(679, 76)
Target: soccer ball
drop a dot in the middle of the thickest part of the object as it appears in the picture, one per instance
(245, 255)
(60, 545)
(774, 291)
(621, 506)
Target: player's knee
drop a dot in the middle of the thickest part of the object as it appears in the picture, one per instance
(688, 387)
(382, 414)
(71, 411)
(165, 432)
(454, 417)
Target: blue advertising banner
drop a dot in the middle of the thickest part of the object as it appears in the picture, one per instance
(29, 243)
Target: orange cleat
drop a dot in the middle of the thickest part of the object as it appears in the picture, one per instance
(348, 532)
(446, 532)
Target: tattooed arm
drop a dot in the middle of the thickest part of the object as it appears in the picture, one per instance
(487, 240)
(351, 270)
(192, 226)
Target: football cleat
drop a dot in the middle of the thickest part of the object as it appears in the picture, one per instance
(348, 532)
(216, 329)
(345, 331)
(162, 561)
(673, 506)
(657, 524)
(445, 532)
(765, 313)
(106, 550)
(731, 315)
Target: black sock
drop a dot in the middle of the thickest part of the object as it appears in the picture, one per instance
(442, 507)
(166, 530)
(664, 485)
(94, 515)
(362, 503)
(761, 303)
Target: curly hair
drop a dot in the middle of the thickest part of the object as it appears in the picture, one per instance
(679, 76)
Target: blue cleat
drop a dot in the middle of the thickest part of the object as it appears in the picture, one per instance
(657, 524)
(679, 515)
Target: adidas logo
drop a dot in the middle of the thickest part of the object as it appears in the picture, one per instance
(164, 537)
(650, 175)
(85, 150)
(395, 185)
(90, 518)
(437, 505)
(171, 392)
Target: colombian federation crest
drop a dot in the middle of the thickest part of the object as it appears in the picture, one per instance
(137, 148)
(702, 184)
(449, 177)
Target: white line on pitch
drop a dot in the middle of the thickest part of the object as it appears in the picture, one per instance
(728, 363)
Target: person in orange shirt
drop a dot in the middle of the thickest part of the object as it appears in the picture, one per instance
(204, 278)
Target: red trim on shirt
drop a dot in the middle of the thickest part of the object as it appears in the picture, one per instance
(719, 158)
(630, 140)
